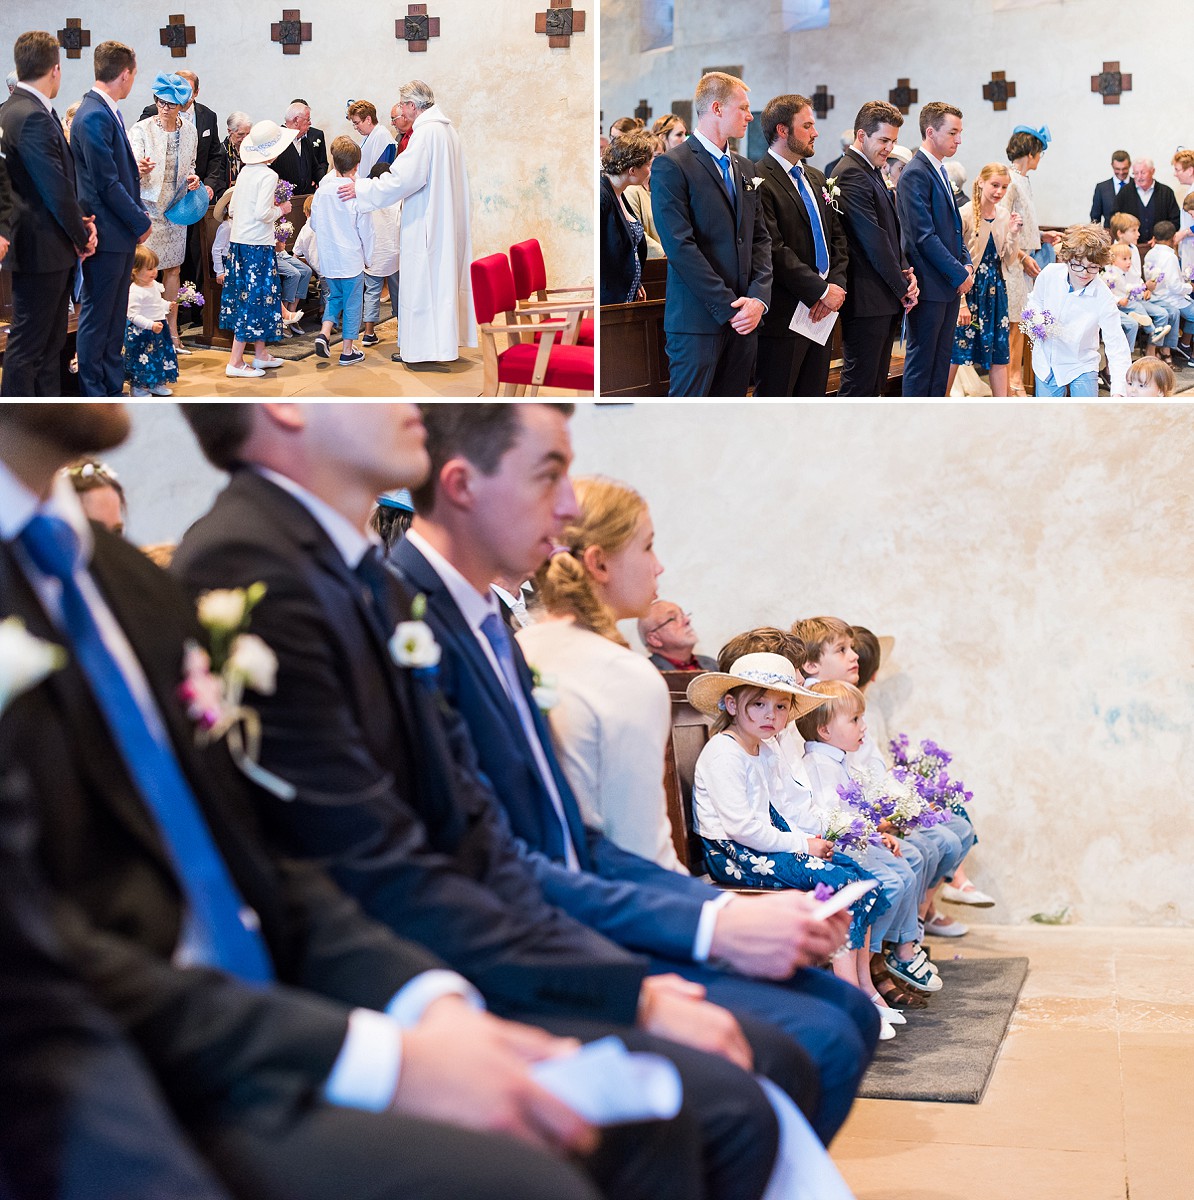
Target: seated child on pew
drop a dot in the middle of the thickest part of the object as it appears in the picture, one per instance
(1136, 310)
(1170, 289)
(739, 803)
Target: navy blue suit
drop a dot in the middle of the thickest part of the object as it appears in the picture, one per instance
(932, 234)
(716, 252)
(1103, 203)
(108, 186)
(659, 909)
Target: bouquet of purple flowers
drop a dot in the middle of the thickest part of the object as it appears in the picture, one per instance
(926, 769)
(283, 231)
(851, 825)
(283, 192)
(1136, 293)
(1037, 324)
(189, 296)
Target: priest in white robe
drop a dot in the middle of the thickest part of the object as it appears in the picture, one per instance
(435, 295)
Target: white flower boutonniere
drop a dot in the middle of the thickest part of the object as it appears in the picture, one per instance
(752, 185)
(830, 193)
(413, 644)
(25, 660)
(213, 686)
(544, 691)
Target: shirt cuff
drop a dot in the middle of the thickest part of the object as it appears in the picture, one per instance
(412, 1001)
(365, 1073)
(706, 925)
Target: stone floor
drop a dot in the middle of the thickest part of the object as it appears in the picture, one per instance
(1091, 1097)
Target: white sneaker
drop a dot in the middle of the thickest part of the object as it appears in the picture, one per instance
(138, 391)
(161, 390)
(268, 363)
(939, 925)
(886, 1031)
(890, 1016)
(968, 894)
(245, 372)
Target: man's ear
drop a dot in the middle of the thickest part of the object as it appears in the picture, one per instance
(653, 640)
(595, 563)
(288, 416)
(455, 482)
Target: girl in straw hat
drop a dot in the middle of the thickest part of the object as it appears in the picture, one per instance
(741, 810)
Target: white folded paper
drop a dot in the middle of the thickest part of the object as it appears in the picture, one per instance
(608, 1085)
(804, 325)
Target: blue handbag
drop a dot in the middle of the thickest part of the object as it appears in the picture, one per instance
(188, 208)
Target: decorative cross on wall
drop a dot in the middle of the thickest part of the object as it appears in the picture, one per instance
(560, 22)
(999, 91)
(416, 27)
(74, 37)
(903, 96)
(1111, 83)
(291, 31)
(177, 36)
(822, 102)
(643, 112)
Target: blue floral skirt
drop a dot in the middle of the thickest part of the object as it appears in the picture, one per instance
(731, 863)
(251, 300)
(985, 340)
(149, 357)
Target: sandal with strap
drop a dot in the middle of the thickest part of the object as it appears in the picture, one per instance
(896, 996)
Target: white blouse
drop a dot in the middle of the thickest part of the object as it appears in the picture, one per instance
(147, 305)
(252, 206)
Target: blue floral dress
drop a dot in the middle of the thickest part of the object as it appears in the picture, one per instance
(729, 862)
(149, 358)
(985, 340)
(251, 300)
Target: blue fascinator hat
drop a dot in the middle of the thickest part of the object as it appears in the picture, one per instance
(172, 88)
(398, 500)
(1042, 135)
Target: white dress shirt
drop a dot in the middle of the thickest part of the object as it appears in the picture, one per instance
(1173, 288)
(344, 231)
(788, 168)
(827, 770)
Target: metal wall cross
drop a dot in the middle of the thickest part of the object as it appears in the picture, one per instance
(416, 27)
(177, 36)
(74, 37)
(903, 96)
(1111, 83)
(999, 91)
(560, 22)
(291, 31)
(822, 102)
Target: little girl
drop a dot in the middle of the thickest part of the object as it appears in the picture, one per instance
(149, 359)
(1151, 377)
(250, 303)
(990, 230)
(739, 804)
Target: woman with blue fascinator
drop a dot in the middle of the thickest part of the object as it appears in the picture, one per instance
(165, 147)
(1024, 150)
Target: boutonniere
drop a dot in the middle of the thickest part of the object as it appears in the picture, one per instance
(214, 685)
(317, 142)
(25, 660)
(752, 185)
(830, 193)
(544, 691)
(413, 645)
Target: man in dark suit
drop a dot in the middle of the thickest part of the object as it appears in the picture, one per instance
(932, 232)
(497, 500)
(304, 162)
(711, 225)
(7, 208)
(108, 185)
(808, 252)
(880, 285)
(1105, 193)
(667, 633)
(51, 233)
(276, 1018)
(1148, 201)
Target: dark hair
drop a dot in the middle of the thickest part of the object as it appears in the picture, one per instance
(933, 115)
(35, 54)
(779, 111)
(634, 149)
(390, 524)
(90, 475)
(221, 430)
(1121, 156)
(1023, 145)
(346, 154)
(112, 59)
(875, 113)
(866, 646)
(379, 169)
(1163, 231)
(766, 639)
(482, 433)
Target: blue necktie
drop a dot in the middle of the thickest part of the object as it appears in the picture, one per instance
(727, 178)
(223, 930)
(814, 219)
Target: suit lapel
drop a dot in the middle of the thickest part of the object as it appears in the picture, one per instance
(706, 160)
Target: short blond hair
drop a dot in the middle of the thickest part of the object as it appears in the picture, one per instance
(817, 632)
(840, 697)
(1120, 250)
(1183, 158)
(1154, 370)
(715, 87)
(1122, 222)
(1091, 242)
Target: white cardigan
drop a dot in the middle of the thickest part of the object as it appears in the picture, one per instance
(252, 206)
(148, 140)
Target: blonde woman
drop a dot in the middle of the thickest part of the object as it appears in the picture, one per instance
(991, 234)
(612, 715)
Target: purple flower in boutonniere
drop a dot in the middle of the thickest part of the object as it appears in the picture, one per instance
(830, 193)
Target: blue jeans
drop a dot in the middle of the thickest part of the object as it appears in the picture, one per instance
(374, 285)
(897, 877)
(1086, 385)
(294, 277)
(942, 849)
(345, 297)
(1179, 311)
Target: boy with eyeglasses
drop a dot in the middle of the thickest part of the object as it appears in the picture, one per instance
(1069, 308)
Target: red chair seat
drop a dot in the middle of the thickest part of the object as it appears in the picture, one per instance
(568, 366)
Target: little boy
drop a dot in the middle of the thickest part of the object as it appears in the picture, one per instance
(1126, 228)
(1170, 290)
(345, 245)
(1136, 312)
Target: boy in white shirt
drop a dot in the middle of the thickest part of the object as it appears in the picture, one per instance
(345, 245)
(1126, 228)
(1170, 289)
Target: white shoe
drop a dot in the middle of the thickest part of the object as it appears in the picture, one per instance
(294, 318)
(886, 1031)
(939, 925)
(138, 391)
(967, 894)
(245, 372)
(1159, 334)
(268, 363)
(161, 390)
(890, 1016)
(179, 348)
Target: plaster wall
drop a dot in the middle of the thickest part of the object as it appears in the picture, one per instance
(492, 74)
(947, 49)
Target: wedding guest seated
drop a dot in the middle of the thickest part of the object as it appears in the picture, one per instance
(671, 129)
(626, 161)
(100, 493)
(1172, 291)
(637, 198)
(670, 639)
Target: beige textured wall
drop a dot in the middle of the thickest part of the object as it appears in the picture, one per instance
(524, 111)
(1034, 566)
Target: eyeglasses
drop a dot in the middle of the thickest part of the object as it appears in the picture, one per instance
(1084, 268)
(165, 103)
(681, 616)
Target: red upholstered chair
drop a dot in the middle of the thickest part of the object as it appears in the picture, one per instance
(535, 355)
(530, 284)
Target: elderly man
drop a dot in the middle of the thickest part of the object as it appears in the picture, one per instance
(402, 125)
(435, 294)
(305, 161)
(668, 634)
(1148, 200)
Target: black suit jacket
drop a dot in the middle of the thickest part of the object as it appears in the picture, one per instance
(304, 162)
(7, 207)
(1103, 203)
(216, 1045)
(793, 254)
(1162, 207)
(389, 791)
(875, 282)
(210, 164)
(618, 251)
(49, 230)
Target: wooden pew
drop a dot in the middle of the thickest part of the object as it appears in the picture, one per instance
(690, 732)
